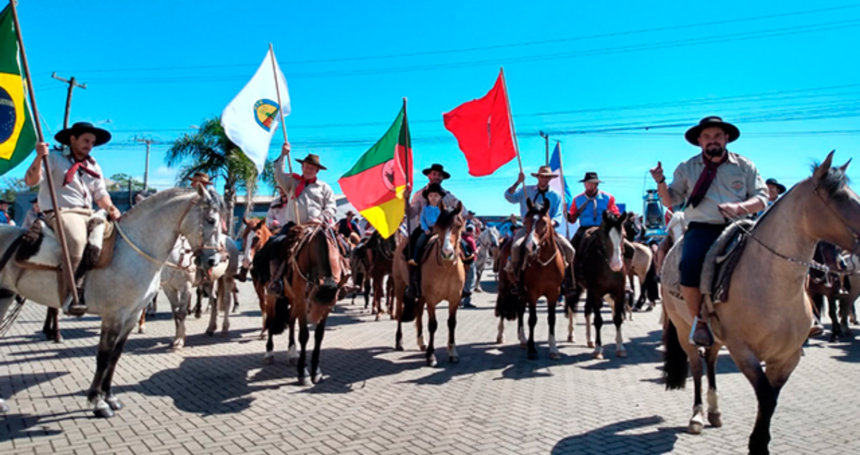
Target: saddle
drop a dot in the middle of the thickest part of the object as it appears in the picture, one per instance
(41, 248)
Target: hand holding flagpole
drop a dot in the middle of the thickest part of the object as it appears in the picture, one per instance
(285, 149)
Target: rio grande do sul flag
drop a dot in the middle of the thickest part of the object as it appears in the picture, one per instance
(17, 133)
(251, 119)
(376, 184)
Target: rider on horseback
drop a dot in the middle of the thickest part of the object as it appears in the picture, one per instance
(718, 186)
(313, 199)
(588, 207)
(79, 182)
(436, 174)
(539, 194)
(276, 216)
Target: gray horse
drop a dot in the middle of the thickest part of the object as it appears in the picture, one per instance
(489, 240)
(119, 292)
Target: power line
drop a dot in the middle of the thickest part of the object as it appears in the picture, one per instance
(491, 47)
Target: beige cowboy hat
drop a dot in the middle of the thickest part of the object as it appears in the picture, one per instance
(201, 177)
(312, 159)
(544, 171)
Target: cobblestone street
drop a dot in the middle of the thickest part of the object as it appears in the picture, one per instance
(216, 396)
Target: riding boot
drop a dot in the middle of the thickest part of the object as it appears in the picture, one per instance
(701, 334)
(243, 274)
(413, 291)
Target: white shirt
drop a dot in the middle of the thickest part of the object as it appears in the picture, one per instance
(80, 192)
(278, 214)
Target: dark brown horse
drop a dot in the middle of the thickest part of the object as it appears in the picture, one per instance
(382, 254)
(314, 276)
(599, 269)
(544, 272)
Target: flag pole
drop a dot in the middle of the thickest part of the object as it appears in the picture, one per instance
(514, 132)
(283, 128)
(61, 234)
(563, 199)
(408, 193)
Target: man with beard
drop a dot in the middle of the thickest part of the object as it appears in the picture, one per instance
(718, 187)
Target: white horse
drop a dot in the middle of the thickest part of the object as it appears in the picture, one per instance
(120, 291)
(221, 297)
(176, 283)
(489, 241)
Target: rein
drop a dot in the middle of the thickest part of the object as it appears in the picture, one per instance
(549, 236)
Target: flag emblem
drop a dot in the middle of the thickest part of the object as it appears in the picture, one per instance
(265, 112)
(8, 116)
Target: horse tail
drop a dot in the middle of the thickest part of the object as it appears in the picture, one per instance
(408, 313)
(507, 305)
(277, 315)
(675, 361)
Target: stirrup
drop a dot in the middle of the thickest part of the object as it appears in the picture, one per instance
(70, 309)
(706, 343)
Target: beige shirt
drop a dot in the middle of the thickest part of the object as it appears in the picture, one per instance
(80, 192)
(737, 180)
(316, 202)
(418, 203)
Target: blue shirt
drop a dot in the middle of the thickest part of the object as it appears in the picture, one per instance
(429, 215)
(538, 198)
(4, 218)
(592, 213)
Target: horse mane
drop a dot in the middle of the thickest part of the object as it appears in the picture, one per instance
(155, 199)
(834, 182)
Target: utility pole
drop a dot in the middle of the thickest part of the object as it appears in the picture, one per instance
(72, 84)
(148, 142)
(546, 139)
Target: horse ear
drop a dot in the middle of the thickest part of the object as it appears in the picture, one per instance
(544, 210)
(529, 204)
(844, 167)
(459, 207)
(823, 168)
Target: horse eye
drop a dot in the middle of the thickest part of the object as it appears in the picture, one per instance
(210, 220)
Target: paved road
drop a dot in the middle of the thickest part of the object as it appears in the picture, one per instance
(215, 396)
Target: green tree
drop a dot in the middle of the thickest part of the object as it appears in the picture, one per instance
(208, 150)
(120, 183)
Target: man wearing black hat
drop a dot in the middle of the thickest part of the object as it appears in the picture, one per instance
(588, 207)
(718, 187)
(78, 183)
(435, 174)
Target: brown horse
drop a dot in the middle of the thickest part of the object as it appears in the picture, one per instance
(600, 271)
(315, 275)
(544, 272)
(382, 252)
(638, 266)
(767, 315)
(443, 276)
(254, 235)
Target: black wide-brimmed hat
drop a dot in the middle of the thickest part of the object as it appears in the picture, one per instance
(102, 136)
(439, 168)
(780, 188)
(312, 159)
(692, 134)
(590, 177)
(433, 188)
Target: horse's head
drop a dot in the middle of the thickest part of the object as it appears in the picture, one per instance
(835, 218)
(202, 227)
(612, 235)
(448, 227)
(538, 226)
(490, 237)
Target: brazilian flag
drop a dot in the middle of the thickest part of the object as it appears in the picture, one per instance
(17, 134)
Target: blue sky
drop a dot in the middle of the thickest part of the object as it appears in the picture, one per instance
(156, 68)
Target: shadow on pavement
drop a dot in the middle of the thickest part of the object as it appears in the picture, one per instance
(608, 440)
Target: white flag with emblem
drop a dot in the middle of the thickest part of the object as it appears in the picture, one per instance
(251, 119)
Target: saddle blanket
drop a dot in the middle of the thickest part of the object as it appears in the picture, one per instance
(43, 249)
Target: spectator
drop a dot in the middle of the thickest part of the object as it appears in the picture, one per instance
(470, 251)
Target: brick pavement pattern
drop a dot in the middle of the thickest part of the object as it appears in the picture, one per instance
(216, 396)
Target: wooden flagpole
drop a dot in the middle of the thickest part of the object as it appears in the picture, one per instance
(408, 193)
(61, 234)
(514, 133)
(563, 192)
(284, 129)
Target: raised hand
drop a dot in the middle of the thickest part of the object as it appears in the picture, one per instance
(657, 173)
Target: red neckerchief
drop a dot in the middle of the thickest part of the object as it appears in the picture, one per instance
(706, 178)
(302, 184)
(80, 166)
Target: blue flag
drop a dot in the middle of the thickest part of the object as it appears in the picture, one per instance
(556, 184)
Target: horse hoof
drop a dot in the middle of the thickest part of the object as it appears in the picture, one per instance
(317, 378)
(695, 427)
(210, 333)
(398, 347)
(103, 410)
(141, 330)
(715, 419)
(621, 353)
(268, 359)
(422, 347)
(532, 355)
(3, 408)
(571, 339)
(304, 381)
(177, 345)
(454, 359)
(114, 403)
(591, 344)
(431, 361)
(293, 361)
(554, 356)
(500, 339)
(597, 355)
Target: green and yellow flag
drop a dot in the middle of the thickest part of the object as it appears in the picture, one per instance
(17, 134)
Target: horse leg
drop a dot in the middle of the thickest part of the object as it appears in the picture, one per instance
(269, 357)
(500, 337)
(532, 350)
(110, 335)
(389, 296)
(618, 320)
(398, 337)
(419, 325)
(179, 307)
(292, 351)
(571, 302)
(551, 301)
(141, 322)
(594, 302)
(432, 324)
(366, 292)
(844, 312)
(51, 328)
(765, 392)
(225, 296)
(715, 416)
(521, 333)
(213, 310)
(319, 332)
(697, 422)
(198, 309)
(453, 357)
(835, 331)
(304, 336)
(110, 398)
(377, 297)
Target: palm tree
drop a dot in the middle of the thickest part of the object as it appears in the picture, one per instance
(209, 150)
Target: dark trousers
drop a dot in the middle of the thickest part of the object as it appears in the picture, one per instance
(697, 241)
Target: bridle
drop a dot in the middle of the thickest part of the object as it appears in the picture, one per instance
(203, 247)
(547, 237)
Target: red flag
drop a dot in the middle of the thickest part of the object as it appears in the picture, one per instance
(483, 130)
